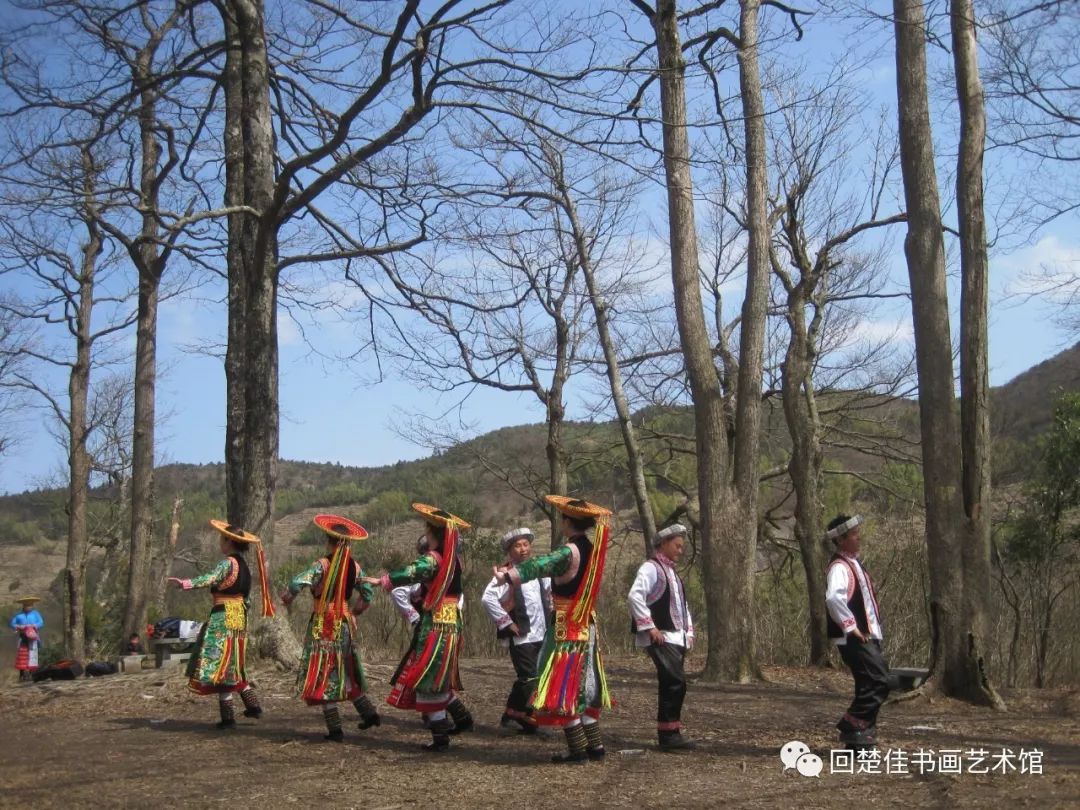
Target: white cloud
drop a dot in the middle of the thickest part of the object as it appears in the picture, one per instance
(1049, 263)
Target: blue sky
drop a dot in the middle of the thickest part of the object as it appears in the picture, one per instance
(332, 413)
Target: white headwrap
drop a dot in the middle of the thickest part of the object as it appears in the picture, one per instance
(515, 534)
(844, 528)
(673, 530)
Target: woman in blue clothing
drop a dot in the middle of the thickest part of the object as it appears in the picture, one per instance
(27, 623)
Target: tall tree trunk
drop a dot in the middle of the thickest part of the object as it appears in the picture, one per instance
(235, 196)
(142, 443)
(78, 430)
(800, 413)
(164, 560)
(974, 347)
(939, 425)
(251, 363)
(742, 550)
(722, 582)
(558, 479)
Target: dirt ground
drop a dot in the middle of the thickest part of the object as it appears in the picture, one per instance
(142, 740)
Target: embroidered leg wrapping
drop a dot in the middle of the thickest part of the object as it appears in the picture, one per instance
(594, 742)
(225, 706)
(252, 708)
(333, 723)
(369, 715)
(576, 745)
(440, 734)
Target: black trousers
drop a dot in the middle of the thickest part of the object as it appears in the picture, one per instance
(671, 689)
(871, 674)
(524, 658)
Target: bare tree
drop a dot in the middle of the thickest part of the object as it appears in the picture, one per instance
(516, 320)
(727, 474)
(821, 283)
(955, 579)
(71, 292)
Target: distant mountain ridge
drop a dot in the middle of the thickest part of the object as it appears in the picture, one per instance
(1024, 407)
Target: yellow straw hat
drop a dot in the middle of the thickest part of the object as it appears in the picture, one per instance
(340, 528)
(234, 533)
(23, 600)
(440, 517)
(577, 508)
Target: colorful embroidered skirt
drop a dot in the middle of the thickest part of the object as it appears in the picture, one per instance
(571, 679)
(430, 667)
(330, 669)
(217, 665)
(26, 659)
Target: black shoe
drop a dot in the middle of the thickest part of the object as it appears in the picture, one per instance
(528, 729)
(253, 712)
(437, 745)
(676, 742)
(369, 721)
(596, 753)
(859, 740)
(570, 757)
(224, 724)
(506, 721)
(337, 735)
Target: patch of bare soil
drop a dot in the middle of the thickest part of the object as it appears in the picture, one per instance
(142, 740)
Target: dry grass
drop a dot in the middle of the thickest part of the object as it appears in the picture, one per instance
(142, 740)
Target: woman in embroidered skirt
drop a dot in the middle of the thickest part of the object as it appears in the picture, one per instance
(27, 624)
(217, 667)
(330, 669)
(571, 687)
(428, 675)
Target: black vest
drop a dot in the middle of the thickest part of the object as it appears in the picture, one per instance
(569, 588)
(660, 610)
(242, 585)
(519, 613)
(855, 604)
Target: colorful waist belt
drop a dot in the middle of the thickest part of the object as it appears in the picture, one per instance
(225, 598)
(235, 610)
(565, 629)
(446, 612)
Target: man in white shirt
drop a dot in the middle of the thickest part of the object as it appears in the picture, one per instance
(520, 616)
(854, 623)
(664, 628)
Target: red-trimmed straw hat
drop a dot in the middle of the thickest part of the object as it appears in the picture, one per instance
(440, 517)
(577, 508)
(339, 528)
(234, 533)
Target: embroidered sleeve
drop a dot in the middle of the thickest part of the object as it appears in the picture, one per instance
(365, 591)
(222, 572)
(551, 564)
(423, 569)
(494, 593)
(836, 597)
(644, 584)
(309, 578)
(402, 597)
